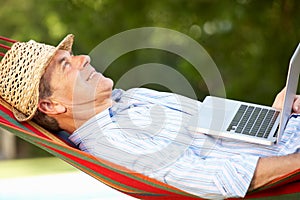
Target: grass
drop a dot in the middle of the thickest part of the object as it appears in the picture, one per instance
(32, 167)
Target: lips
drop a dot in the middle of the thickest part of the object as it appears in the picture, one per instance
(91, 75)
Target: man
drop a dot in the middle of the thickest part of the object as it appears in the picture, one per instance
(143, 130)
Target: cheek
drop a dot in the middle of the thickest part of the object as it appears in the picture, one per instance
(72, 82)
(80, 88)
(63, 86)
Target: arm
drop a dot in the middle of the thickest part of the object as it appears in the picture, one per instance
(271, 168)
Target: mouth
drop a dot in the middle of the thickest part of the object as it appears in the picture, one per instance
(91, 75)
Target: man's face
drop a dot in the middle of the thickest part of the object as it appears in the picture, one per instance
(76, 84)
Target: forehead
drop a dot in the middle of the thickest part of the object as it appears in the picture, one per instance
(54, 63)
(59, 56)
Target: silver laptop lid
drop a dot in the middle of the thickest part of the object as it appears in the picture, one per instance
(291, 89)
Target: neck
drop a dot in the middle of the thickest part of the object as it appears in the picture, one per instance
(76, 117)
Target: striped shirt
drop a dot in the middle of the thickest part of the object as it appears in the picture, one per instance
(148, 132)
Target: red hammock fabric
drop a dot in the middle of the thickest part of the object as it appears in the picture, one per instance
(117, 177)
(131, 183)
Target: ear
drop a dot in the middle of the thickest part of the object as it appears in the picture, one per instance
(51, 108)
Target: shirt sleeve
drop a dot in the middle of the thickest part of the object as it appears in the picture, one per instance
(211, 178)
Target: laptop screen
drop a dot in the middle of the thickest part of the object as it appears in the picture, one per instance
(291, 89)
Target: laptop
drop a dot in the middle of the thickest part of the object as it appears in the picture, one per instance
(247, 121)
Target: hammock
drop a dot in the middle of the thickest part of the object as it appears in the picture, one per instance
(115, 176)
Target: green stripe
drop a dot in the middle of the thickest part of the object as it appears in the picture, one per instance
(80, 166)
(39, 142)
(281, 197)
(32, 140)
(36, 140)
(14, 122)
(274, 184)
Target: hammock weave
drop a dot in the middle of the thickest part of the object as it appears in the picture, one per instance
(117, 177)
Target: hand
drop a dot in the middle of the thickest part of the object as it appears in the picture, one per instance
(296, 105)
(278, 103)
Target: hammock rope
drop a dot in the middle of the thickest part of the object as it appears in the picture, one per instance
(3, 46)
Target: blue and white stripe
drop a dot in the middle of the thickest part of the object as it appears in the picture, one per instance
(147, 131)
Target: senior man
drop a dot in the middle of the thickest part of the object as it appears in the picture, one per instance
(141, 129)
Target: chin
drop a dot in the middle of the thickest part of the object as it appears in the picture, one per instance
(111, 82)
(105, 84)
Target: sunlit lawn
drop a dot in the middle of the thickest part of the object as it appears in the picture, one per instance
(32, 167)
(50, 178)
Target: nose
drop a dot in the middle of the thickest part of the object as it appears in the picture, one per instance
(82, 61)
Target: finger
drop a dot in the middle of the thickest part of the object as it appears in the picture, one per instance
(296, 104)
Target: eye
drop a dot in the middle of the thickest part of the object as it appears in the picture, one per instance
(66, 64)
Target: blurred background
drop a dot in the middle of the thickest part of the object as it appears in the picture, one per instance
(251, 41)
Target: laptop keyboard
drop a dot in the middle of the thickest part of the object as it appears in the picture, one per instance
(254, 121)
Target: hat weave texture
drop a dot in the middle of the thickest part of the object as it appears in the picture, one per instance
(21, 70)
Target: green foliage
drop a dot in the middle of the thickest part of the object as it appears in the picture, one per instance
(251, 41)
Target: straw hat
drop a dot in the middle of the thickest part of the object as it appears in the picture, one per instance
(20, 72)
